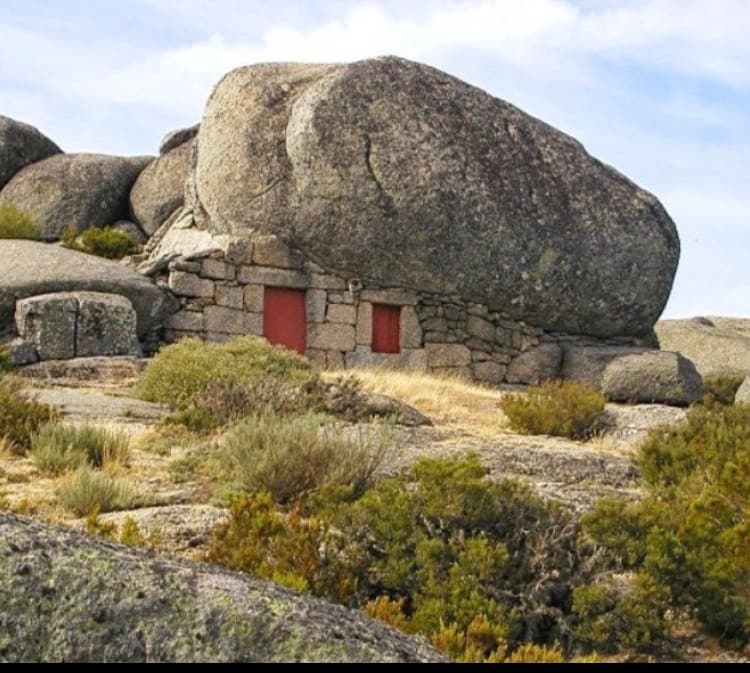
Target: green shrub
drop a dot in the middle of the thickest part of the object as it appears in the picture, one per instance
(478, 567)
(563, 408)
(721, 389)
(690, 534)
(17, 223)
(88, 490)
(21, 417)
(182, 372)
(629, 615)
(291, 456)
(224, 402)
(57, 448)
(101, 241)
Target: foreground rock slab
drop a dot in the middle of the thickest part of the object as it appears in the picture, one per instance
(69, 597)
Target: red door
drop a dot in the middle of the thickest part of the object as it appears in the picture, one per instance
(284, 317)
(385, 328)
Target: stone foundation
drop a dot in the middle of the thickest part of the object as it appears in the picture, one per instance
(221, 295)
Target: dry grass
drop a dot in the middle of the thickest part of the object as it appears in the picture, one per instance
(449, 401)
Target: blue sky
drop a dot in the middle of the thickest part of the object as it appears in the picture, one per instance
(660, 89)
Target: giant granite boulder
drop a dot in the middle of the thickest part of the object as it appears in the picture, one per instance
(30, 268)
(75, 190)
(160, 187)
(21, 145)
(394, 171)
(70, 597)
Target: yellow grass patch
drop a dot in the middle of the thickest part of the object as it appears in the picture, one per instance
(449, 401)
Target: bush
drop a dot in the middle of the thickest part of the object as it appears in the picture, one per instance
(291, 456)
(21, 417)
(224, 402)
(17, 223)
(101, 241)
(690, 534)
(87, 491)
(563, 408)
(477, 567)
(182, 372)
(721, 389)
(57, 448)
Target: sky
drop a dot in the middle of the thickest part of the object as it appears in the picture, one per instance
(659, 89)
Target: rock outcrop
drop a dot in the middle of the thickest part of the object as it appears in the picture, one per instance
(70, 597)
(160, 187)
(718, 346)
(21, 145)
(74, 191)
(391, 170)
(30, 268)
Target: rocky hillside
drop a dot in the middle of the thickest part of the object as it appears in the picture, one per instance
(716, 345)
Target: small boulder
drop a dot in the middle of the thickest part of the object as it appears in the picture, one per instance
(352, 404)
(178, 137)
(160, 188)
(586, 364)
(535, 365)
(106, 325)
(48, 321)
(653, 376)
(65, 325)
(21, 145)
(74, 190)
(742, 396)
(127, 227)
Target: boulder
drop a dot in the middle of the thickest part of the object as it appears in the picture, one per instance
(31, 268)
(106, 325)
(586, 364)
(160, 187)
(74, 190)
(21, 145)
(742, 396)
(392, 170)
(356, 405)
(48, 321)
(652, 376)
(535, 365)
(64, 325)
(71, 597)
(178, 137)
(717, 346)
(127, 227)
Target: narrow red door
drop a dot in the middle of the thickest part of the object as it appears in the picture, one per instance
(284, 317)
(385, 328)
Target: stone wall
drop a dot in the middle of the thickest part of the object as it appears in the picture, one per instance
(221, 295)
